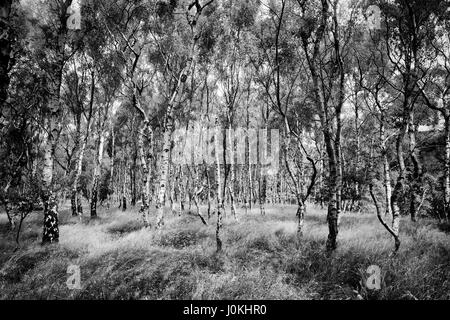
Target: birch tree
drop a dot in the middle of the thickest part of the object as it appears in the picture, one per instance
(193, 14)
(56, 57)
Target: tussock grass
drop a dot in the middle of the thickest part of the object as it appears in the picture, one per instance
(263, 259)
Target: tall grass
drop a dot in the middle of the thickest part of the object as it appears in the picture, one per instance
(262, 259)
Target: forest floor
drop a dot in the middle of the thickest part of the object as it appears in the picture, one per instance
(119, 259)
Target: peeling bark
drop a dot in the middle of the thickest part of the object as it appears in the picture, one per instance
(53, 126)
(146, 173)
(220, 192)
(447, 168)
(112, 172)
(97, 173)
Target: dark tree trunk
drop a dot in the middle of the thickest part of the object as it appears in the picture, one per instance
(73, 203)
(133, 182)
(262, 183)
(79, 205)
(112, 172)
(124, 203)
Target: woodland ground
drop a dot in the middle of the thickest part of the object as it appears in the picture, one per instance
(261, 260)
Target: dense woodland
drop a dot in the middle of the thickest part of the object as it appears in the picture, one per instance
(357, 92)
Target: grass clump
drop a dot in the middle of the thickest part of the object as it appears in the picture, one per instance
(125, 226)
(182, 238)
